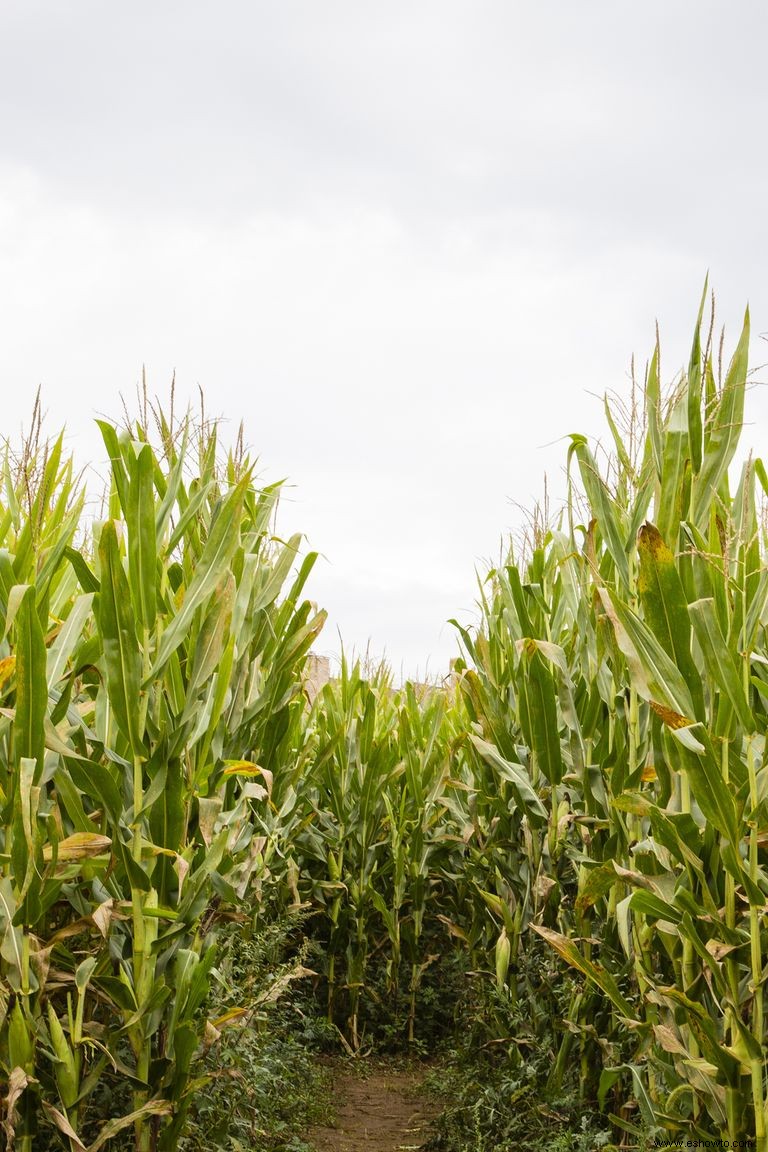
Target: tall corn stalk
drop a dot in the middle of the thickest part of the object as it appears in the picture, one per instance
(621, 669)
(149, 683)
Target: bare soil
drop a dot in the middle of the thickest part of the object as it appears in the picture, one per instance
(377, 1110)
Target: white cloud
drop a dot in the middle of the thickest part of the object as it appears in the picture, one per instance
(403, 243)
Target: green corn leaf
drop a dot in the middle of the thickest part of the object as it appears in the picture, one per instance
(71, 800)
(142, 542)
(604, 507)
(665, 608)
(112, 1127)
(217, 553)
(241, 611)
(639, 510)
(189, 516)
(672, 504)
(7, 581)
(722, 432)
(26, 840)
(539, 710)
(88, 580)
(647, 1110)
(651, 905)
(11, 941)
(598, 883)
(172, 485)
(167, 823)
(53, 558)
(690, 931)
(516, 775)
(621, 451)
(119, 475)
(653, 400)
(117, 626)
(695, 551)
(275, 578)
(708, 788)
(64, 645)
(31, 682)
(720, 660)
(679, 834)
(132, 869)
(94, 780)
(694, 389)
(211, 638)
(569, 952)
(652, 672)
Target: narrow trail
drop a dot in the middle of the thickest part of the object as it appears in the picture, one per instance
(378, 1111)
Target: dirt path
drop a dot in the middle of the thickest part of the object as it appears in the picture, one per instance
(380, 1110)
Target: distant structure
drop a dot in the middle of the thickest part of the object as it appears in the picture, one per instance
(317, 673)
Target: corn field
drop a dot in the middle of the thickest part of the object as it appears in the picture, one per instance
(589, 782)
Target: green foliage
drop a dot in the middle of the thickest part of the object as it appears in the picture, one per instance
(261, 1082)
(654, 634)
(496, 1090)
(150, 684)
(585, 797)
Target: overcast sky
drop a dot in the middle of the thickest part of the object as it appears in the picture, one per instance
(405, 242)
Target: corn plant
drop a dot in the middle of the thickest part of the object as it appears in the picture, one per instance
(621, 668)
(363, 833)
(347, 786)
(150, 678)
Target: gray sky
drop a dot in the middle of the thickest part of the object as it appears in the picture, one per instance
(403, 241)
